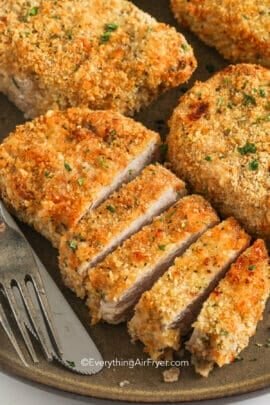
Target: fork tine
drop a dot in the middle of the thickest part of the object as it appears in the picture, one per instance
(35, 319)
(7, 328)
(13, 305)
(43, 301)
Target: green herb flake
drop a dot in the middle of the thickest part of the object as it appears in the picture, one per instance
(111, 208)
(105, 37)
(251, 267)
(80, 181)
(162, 247)
(262, 92)
(253, 165)
(185, 47)
(224, 332)
(102, 162)
(247, 148)
(69, 34)
(249, 100)
(111, 27)
(73, 245)
(67, 167)
(70, 363)
(33, 11)
(48, 174)
(108, 29)
(208, 158)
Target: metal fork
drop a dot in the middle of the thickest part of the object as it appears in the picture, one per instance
(18, 268)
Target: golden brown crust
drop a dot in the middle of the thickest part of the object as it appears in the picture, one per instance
(219, 143)
(189, 277)
(54, 168)
(99, 228)
(108, 56)
(230, 315)
(117, 274)
(239, 30)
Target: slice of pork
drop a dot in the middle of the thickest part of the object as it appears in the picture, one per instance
(117, 283)
(167, 311)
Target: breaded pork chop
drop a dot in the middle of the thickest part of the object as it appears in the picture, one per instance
(100, 54)
(230, 315)
(166, 312)
(100, 231)
(239, 30)
(219, 143)
(57, 167)
(115, 285)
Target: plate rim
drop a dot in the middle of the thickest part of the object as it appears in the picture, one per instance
(43, 378)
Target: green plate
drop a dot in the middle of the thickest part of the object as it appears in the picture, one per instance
(145, 383)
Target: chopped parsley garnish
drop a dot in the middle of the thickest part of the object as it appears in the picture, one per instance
(69, 34)
(111, 208)
(81, 181)
(262, 92)
(224, 332)
(162, 247)
(108, 29)
(33, 11)
(105, 37)
(251, 267)
(102, 162)
(67, 167)
(70, 363)
(253, 165)
(111, 27)
(247, 148)
(73, 245)
(185, 47)
(249, 100)
(48, 174)
(208, 158)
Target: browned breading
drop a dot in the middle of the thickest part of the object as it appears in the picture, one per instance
(57, 167)
(219, 143)
(230, 315)
(239, 30)
(105, 55)
(166, 312)
(125, 212)
(116, 284)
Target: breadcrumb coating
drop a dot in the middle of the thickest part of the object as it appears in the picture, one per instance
(219, 143)
(230, 315)
(239, 30)
(57, 167)
(101, 230)
(166, 312)
(105, 55)
(134, 267)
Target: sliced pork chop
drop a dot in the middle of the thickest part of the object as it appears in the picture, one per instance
(230, 315)
(167, 311)
(116, 284)
(57, 167)
(124, 213)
